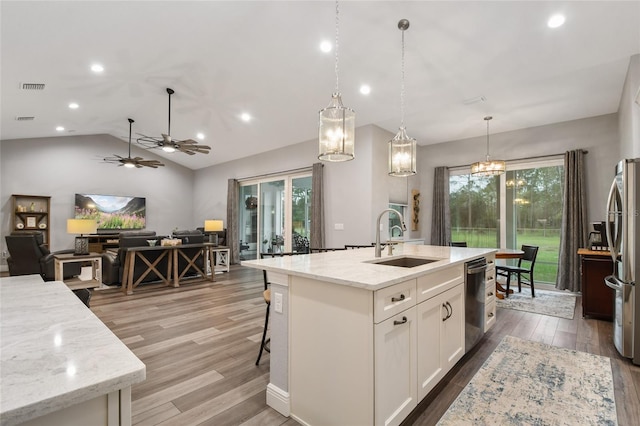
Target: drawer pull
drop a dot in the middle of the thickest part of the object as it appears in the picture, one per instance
(449, 309)
(489, 278)
(490, 315)
(404, 320)
(398, 299)
(490, 294)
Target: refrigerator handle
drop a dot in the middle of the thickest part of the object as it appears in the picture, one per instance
(611, 210)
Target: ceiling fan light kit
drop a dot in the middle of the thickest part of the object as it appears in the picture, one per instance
(168, 144)
(136, 162)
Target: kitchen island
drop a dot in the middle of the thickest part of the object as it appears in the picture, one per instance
(361, 343)
(60, 364)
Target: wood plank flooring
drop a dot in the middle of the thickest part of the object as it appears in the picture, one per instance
(200, 342)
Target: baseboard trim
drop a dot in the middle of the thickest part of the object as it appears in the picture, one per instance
(4, 268)
(278, 400)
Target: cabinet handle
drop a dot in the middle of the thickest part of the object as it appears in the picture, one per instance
(449, 309)
(398, 299)
(490, 315)
(489, 278)
(490, 294)
(404, 320)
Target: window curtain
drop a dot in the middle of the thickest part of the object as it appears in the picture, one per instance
(233, 192)
(441, 218)
(574, 221)
(317, 205)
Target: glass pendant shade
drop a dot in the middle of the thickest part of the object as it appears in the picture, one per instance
(337, 131)
(488, 168)
(402, 155)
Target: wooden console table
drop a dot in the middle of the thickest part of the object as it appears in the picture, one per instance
(597, 298)
(172, 254)
(77, 284)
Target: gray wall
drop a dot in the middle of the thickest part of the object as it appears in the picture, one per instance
(355, 191)
(598, 135)
(60, 167)
(629, 112)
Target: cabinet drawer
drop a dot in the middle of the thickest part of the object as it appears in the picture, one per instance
(392, 300)
(439, 281)
(490, 290)
(489, 315)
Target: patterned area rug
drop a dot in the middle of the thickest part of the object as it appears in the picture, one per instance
(530, 383)
(552, 303)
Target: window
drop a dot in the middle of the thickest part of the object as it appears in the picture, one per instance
(523, 206)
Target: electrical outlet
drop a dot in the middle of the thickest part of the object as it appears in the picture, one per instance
(4, 254)
(277, 306)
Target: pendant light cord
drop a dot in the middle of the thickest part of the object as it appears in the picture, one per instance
(402, 85)
(337, 45)
(487, 119)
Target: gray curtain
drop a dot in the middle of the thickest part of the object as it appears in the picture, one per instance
(317, 206)
(233, 192)
(441, 219)
(573, 232)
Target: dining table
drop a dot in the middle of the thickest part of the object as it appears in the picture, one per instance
(506, 253)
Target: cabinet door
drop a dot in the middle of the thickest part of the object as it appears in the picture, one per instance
(452, 344)
(430, 314)
(395, 368)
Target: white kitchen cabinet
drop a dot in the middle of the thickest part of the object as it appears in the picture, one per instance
(490, 294)
(395, 368)
(440, 340)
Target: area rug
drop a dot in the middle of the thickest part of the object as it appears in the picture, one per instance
(531, 383)
(552, 303)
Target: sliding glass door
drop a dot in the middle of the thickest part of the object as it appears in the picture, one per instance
(274, 215)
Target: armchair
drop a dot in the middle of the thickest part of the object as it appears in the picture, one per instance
(28, 255)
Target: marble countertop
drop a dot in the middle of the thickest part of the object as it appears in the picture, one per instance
(54, 351)
(353, 267)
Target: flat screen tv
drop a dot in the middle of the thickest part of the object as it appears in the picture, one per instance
(112, 212)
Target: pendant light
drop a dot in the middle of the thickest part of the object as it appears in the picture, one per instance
(402, 148)
(336, 130)
(488, 167)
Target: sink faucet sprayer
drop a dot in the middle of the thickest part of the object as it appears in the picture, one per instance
(404, 228)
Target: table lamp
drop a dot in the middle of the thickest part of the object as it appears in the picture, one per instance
(81, 226)
(213, 226)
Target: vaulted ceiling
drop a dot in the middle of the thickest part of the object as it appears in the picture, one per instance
(464, 60)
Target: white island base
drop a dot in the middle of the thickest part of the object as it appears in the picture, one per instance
(361, 344)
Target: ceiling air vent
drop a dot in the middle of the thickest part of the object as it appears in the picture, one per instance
(32, 86)
(25, 118)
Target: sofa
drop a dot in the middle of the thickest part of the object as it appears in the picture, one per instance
(28, 255)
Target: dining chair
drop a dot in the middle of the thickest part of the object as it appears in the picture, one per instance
(325, 250)
(525, 267)
(266, 295)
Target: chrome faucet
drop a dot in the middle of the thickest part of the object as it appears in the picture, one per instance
(402, 225)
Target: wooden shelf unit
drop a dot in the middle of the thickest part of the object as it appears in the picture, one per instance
(99, 243)
(597, 298)
(31, 213)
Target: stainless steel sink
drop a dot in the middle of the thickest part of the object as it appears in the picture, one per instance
(405, 261)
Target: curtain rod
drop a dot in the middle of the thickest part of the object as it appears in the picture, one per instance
(538, 157)
(284, 172)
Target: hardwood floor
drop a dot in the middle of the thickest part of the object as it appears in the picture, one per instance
(200, 342)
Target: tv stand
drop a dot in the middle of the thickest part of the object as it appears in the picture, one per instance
(99, 243)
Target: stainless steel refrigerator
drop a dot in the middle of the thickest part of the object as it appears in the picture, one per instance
(623, 234)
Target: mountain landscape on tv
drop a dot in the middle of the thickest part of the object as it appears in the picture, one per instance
(111, 211)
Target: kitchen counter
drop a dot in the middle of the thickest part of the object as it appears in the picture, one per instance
(60, 363)
(353, 267)
(367, 340)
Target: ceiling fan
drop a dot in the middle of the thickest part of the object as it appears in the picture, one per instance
(129, 162)
(188, 146)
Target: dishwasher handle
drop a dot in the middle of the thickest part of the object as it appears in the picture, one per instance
(476, 270)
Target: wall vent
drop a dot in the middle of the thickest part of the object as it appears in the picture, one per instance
(32, 86)
(25, 118)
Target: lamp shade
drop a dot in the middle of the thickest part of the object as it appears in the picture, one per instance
(82, 226)
(213, 225)
(336, 131)
(488, 168)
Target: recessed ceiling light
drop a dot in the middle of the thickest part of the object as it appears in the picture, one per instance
(97, 68)
(326, 46)
(365, 89)
(200, 136)
(555, 21)
(60, 128)
(245, 117)
(74, 105)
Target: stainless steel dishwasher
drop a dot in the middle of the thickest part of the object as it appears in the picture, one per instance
(474, 301)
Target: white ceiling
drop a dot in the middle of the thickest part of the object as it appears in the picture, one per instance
(263, 57)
